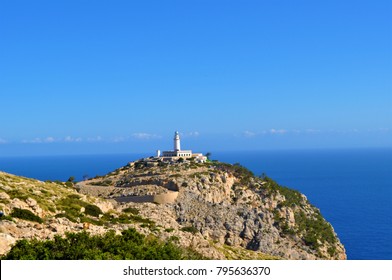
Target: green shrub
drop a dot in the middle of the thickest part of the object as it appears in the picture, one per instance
(92, 210)
(17, 194)
(331, 251)
(174, 239)
(65, 215)
(130, 245)
(190, 229)
(74, 196)
(237, 170)
(131, 210)
(72, 205)
(139, 219)
(5, 218)
(314, 228)
(4, 201)
(25, 215)
(292, 197)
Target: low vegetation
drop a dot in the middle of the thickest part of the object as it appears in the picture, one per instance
(92, 210)
(190, 229)
(239, 171)
(130, 245)
(131, 210)
(306, 226)
(71, 208)
(25, 214)
(292, 197)
(313, 229)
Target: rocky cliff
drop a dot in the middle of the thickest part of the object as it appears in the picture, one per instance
(220, 210)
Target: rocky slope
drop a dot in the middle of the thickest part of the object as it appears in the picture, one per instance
(217, 209)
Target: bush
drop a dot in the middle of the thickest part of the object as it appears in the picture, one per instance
(131, 245)
(190, 229)
(292, 197)
(25, 215)
(237, 170)
(314, 228)
(74, 196)
(93, 210)
(5, 218)
(131, 210)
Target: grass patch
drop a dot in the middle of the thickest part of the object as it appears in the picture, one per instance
(71, 207)
(4, 201)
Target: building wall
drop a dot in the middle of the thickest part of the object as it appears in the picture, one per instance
(184, 153)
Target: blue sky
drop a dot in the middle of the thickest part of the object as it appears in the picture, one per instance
(122, 76)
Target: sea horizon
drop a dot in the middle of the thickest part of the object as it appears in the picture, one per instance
(351, 187)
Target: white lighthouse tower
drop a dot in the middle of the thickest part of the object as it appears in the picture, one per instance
(177, 145)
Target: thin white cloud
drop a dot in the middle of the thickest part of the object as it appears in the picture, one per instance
(72, 139)
(277, 131)
(381, 129)
(249, 134)
(49, 140)
(38, 140)
(311, 130)
(118, 139)
(191, 134)
(144, 136)
(95, 139)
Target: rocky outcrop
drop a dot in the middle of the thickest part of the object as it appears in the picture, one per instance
(229, 206)
(220, 210)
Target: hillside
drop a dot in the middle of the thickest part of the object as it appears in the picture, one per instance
(218, 210)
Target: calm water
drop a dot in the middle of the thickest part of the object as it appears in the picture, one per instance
(353, 188)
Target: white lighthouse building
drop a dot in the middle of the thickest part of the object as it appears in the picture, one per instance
(177, 144)
(177, 153)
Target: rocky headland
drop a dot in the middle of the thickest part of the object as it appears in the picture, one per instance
(219, 210)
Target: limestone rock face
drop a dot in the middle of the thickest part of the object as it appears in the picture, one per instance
(6, 242)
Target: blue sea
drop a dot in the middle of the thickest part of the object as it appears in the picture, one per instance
(352, 188)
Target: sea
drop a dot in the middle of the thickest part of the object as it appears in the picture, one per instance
(351, 187)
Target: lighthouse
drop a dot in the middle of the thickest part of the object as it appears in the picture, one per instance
(177, 145)
(177, 153)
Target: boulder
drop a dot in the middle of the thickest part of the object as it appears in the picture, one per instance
(6, 243)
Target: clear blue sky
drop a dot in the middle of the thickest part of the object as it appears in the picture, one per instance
(122, 76)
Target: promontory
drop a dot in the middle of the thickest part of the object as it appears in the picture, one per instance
(214, 209)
